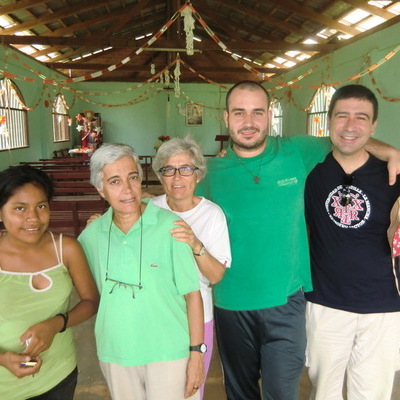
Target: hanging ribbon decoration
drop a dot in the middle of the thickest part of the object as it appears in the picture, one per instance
(177, 74)
(181, 11)
(188, 23)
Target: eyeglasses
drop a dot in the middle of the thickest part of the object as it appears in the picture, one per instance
(124, 285)
(183, 171)
(119, 284)
(345, 197)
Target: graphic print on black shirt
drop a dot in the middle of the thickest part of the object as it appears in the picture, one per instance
(353, 215)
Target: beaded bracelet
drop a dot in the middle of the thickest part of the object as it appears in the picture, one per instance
(65, 317)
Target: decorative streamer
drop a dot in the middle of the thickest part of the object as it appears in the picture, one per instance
(177, 74)
(188, 22)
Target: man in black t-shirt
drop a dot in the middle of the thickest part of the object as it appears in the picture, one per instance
(353, 312)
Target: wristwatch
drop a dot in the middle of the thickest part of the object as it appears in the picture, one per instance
(202, 251)
(201, 348)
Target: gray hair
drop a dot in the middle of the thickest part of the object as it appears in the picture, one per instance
(177, 146)
(108, 153)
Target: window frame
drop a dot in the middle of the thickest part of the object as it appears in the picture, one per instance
(317, 112)
(14, 133)
(61, 118)
(276, 118)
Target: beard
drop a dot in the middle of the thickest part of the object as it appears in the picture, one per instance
(244, 145)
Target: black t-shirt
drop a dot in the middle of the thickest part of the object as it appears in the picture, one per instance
(350, 254)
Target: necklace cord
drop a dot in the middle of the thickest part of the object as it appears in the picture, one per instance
(140, 254)
(256, 178)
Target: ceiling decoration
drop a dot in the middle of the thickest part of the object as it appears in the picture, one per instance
(230, 40)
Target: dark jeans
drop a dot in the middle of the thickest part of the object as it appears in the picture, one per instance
(268, 344)
(62, 391)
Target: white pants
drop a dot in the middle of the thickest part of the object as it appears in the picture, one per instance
(365, 347)
(160, 380)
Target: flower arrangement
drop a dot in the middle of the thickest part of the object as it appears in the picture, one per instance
(160, 141)
(88, 124)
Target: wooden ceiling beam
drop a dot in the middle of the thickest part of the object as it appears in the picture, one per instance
(205, 45)
(210, 15)
(126, 16)
(65, 12)
(247, 11)
(21, 5)
(379, 12)
(314, 15)
(145, 68)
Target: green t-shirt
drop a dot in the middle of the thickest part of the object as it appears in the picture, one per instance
(266, 222)
(151, 326)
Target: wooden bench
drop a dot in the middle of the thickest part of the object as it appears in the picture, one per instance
(73, 187)
(56, 164)
(61, 153)
(70, 175)
(70, 217)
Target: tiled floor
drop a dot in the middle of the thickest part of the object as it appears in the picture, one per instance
(91, 385)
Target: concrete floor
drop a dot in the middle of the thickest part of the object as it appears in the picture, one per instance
(91, 385)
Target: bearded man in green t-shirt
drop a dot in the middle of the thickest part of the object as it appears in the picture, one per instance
(259, 304)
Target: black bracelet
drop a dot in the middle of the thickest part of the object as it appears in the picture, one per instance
(65, 317)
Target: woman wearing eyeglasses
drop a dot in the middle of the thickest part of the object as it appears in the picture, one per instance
(180, 165)
(150, 309)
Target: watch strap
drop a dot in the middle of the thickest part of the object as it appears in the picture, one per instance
(201, 252)
(201, 348)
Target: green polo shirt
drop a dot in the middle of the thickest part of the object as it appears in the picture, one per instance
(267, 229)
(139, 326)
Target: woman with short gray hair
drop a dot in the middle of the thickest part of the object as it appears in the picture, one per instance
(150, 313)
(180, 165)
(110, 152)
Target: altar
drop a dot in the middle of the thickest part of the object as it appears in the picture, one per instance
(86, 152)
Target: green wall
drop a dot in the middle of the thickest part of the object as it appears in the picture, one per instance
(39, 97)
(342, 65)
(140, 124)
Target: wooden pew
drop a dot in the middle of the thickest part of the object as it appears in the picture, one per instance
(65, 160)
(68, 176)
(70, 217)
(73, 187)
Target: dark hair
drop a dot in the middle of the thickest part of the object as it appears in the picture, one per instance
(12, 178)
(354, 92)
(249, 85)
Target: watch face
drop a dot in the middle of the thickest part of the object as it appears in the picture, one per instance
(203, 348)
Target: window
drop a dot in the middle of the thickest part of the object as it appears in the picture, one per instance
(317, 115)
(60, 119)
(14, 118)
(275, 125)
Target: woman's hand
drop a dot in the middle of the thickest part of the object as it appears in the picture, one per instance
(194, 373)
(195, 367)
(41, 336)
(12, 361)
(208, 265)
(92, 218)
(185, 234)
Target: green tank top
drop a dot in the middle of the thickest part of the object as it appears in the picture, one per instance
(21, 306)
